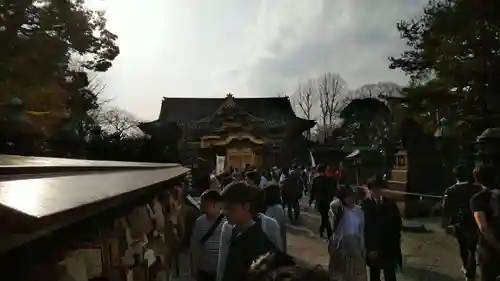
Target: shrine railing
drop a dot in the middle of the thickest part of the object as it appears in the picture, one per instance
(112, 219)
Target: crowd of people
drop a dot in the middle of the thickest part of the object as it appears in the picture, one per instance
(242, 233)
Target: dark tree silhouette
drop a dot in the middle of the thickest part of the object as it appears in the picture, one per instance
(454, 49)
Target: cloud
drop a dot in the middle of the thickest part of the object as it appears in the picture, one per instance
(201, 48)
(302, 39)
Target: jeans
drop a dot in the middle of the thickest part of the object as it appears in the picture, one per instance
(293, 207)
(488, 264)
(467, 245)
(323, 209)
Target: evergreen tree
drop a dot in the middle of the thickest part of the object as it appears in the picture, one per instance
(453, 61)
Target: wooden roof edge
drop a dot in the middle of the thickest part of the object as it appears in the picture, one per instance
(21, 165)
(69, 218)
(18, 172)
(20, 222)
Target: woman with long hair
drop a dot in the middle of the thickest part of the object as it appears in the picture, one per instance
(347, 244)
(274, 209)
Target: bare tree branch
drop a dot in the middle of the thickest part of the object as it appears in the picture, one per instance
(335, 100)
(116, 121)
(304, 99)
(306, 96)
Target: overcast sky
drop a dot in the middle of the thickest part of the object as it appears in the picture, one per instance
(207, 48)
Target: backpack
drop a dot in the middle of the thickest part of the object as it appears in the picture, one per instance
(465, 215)
(495, 211)
(458, 205)
(291, 186)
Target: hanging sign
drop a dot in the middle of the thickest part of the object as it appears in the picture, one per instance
(219, 164)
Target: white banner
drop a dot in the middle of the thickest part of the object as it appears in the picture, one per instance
(219, 164)
(313, 162)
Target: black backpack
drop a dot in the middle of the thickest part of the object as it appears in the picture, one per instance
(465, 215)
(458, 200)
(495, 211)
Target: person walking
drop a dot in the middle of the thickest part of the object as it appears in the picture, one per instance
(272, 196)
(292, 192)
(485, 206)
(346, 247)
(458, 217)
(323, 190)
(245, 235)
(382, 234)
(205, 238)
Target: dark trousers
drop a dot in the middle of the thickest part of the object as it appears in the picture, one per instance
(293, 207)
(467, 246)
(488, 264)
(206, 276)
(389, 273)
(323, 209)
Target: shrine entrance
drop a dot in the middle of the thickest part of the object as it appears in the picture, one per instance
(240, 149)
(240, 158)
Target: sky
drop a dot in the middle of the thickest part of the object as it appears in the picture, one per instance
(250, 48)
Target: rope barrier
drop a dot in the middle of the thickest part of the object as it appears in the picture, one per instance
(413, 194)
(406, 193)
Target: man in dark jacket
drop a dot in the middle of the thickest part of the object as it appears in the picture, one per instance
(323, 190)
(292, 192)
(459, 218)
(382, 233)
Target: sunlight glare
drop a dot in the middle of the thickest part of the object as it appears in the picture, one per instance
(25, 196)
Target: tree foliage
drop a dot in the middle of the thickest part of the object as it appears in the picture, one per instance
(454, 58)
(40, 39)
(367, 123)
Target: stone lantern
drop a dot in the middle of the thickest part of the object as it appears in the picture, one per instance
(488, 147)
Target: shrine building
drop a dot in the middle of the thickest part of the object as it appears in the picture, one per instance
(247, 131)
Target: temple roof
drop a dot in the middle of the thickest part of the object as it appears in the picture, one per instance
(273, 111)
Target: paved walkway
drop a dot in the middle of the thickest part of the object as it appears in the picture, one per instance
(428, 256)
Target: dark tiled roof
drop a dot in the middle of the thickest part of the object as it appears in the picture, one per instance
(186, 110)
